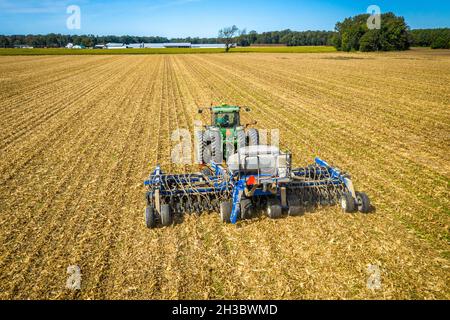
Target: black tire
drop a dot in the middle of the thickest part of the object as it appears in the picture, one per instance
(166, 216)
(241, 139)
(225, 211)
(246, 209)
(216, 147)
(348, 203)
(252, 137)
(274, 209)
(295, 211)
(295, 208)
(150, 219)
(363, 202)
(207, 155)
(200, 145)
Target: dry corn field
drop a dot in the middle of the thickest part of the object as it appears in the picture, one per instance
(79, 135)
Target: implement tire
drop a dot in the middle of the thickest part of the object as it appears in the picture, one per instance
(225, 211)
(166, 216)
(362, 202)
(246, 209)
(274, 209)
(150, 219)
(348, 203)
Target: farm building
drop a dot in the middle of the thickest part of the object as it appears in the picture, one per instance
(115, 46)
(173, 45)
(177, 45)
(209, 45)
(23, 46)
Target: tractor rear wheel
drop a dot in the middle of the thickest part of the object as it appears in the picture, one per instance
(216, 147)
(362, 202)
(166, 217)
(252, 137)
(274, 209)
(246, 209)
(225, 211)
(200, 144)
(241, 139)
(347, 203)
(150, 220)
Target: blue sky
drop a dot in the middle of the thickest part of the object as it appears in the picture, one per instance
(182, 18)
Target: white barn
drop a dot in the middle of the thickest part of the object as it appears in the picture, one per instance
(115, 46)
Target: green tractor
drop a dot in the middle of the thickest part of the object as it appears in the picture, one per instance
(224, 136)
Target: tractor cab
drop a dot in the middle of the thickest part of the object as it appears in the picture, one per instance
(226, 116)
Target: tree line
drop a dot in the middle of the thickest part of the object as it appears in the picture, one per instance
(285, 37)
(434, 38)
(53, 40)
(351, 34)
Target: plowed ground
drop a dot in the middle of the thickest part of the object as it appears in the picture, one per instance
(79, 134)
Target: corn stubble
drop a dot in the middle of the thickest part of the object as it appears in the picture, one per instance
(80, 134)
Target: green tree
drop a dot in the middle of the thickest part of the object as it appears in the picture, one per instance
(440, 42)
(354, 34)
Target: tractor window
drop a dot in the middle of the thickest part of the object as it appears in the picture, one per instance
(227, 120)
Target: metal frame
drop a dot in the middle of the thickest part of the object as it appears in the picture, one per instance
(228, 185)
